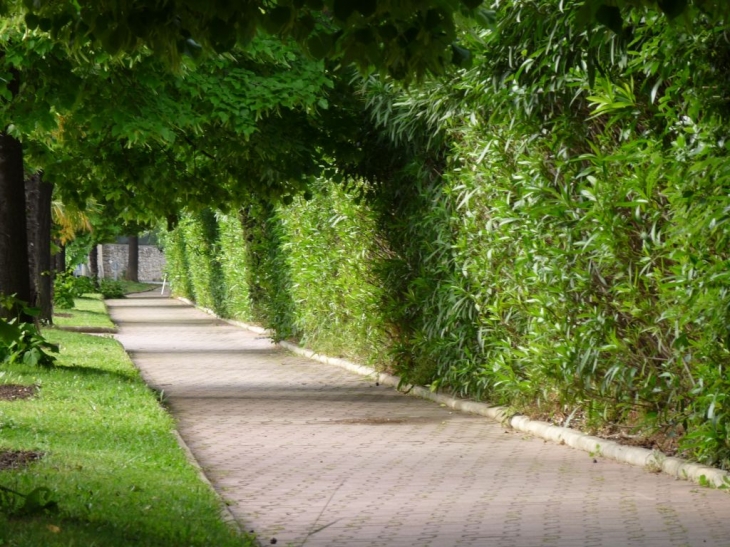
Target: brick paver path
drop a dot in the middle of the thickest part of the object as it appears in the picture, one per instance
(313, 455)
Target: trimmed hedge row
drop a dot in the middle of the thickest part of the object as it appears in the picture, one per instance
(582, 295)
(549, 230)
(301, 270)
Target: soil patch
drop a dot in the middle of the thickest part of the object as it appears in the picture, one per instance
(665, 440)
(13, 392)
(63, 314)
(15, 459)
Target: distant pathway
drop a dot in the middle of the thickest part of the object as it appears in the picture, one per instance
(313, 455)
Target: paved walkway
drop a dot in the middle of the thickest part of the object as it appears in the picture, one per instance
(313, 455)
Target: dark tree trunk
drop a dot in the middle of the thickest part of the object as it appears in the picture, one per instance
(14, 270)
(39, 195)
(94, 264)
(59, 259)
(43, 241)
(32, 203)
(133, 262)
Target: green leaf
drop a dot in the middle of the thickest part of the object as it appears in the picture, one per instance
(320, 45)
(472, 4)
(38, 501)
(30, 310)
(8, 332)
(31, 20)
(32, 357)
(673, 8)
(610, 16)
(366, 7)
(485, 17)
(343, 9)
(460, 57)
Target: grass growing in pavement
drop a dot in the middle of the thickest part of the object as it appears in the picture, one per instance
(88, 311)
(111, 460)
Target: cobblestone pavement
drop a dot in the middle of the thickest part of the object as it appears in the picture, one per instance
(313, 455)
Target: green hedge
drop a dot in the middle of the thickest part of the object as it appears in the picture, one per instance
(301, 270)
(583, 293)
(548, 230)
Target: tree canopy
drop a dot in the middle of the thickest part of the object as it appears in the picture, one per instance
(267, 105)
(402, 38)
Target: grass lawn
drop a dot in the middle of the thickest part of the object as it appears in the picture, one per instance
(110, 458)
(88, 311)
(135, 286)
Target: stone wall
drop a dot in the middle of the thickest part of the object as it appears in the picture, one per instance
(113, 262)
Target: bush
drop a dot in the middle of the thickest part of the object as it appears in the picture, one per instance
(64, 290)
(84, 285)
(21, 342)
(110, 288)
(67, 286)
(549, 230)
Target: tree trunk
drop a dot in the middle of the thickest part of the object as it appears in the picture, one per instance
(32, 203)
(94, 264)
(14, 270)
(59, 259)
(133, 262)
(38, 195)
(43, 242)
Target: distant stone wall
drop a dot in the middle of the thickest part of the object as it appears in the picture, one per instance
(113, 262)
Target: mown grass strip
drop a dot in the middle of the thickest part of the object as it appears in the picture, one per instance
(110, 460)
(88, 311)
(138, 286)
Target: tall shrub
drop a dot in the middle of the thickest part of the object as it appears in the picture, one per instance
(548, 229)
(329, 242)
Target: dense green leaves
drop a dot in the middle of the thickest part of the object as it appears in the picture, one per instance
(406, 39)
(21, 342)
(145, 142)
(297, 269)
(548, 229)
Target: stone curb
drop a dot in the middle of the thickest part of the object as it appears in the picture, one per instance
(652, 460)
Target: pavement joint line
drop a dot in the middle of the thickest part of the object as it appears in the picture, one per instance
(653, 460)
